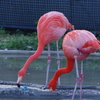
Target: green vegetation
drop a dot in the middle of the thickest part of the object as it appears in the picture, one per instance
(20, 41)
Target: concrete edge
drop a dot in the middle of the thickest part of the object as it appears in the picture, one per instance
(27, 53)
(37, 91)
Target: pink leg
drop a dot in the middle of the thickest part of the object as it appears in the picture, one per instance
(81, 79)
(81, 82)
(78, 79)
(58, 58)
(49, 62)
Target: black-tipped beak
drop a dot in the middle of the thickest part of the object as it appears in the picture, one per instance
(18, 85)
(19, 81)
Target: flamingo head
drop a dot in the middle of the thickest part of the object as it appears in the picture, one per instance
(71, 26)
(21, 75)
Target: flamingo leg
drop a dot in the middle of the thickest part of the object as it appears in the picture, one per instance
(49, 62)
(79, 79)
(58, 59)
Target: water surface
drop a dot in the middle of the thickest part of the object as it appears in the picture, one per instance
(9, 67)
(36, 72)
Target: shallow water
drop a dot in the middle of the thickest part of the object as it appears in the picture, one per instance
(9, 67)
(36, 73)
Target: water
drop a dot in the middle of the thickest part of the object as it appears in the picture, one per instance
(36, 72)
(9, 67)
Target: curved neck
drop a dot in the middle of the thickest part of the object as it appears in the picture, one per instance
(38, 52)
(67, 69)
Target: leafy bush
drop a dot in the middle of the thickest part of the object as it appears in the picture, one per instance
(24, 43)
(19, 41)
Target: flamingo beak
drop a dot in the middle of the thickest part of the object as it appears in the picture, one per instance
(19, 81)
(72, 27)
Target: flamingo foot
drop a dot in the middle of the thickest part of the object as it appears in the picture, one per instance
(52, 84)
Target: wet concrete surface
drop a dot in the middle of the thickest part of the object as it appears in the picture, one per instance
(9, 89)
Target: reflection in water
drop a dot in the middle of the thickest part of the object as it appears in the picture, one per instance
(9, 68)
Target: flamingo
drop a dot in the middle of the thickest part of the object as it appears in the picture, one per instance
(77, 45)
(51, 27)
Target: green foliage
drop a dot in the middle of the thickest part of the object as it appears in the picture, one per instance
(3, 32)
(98, 37)
(53, 45)
(24, 43)
(17, 40)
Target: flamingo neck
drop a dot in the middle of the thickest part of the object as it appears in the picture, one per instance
(38, 52)
(65, 70)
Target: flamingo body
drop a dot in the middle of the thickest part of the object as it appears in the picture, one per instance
(78, 43)
(51, 27)
(78, 40)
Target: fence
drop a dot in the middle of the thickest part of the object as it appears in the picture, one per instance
(84, 14)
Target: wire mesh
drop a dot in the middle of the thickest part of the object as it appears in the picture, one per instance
(25, 13)
(84, 14)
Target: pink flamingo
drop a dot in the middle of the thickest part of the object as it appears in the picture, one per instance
(77, 45)
(51, 27)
